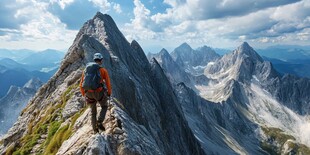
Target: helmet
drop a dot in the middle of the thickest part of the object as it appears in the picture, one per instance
(98, 56)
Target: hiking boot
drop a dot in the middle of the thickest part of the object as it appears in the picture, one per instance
(100, 126)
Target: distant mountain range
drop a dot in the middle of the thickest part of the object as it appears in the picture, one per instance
(15, 54)
(286, 53)
(24, 54)
(18, 77)
(45, 59)
(31, 60)
(286, 59)
(22, 72)
(296, 66)
(14, 101)
(19, 66)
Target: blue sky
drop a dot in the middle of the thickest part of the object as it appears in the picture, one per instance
(156, 24)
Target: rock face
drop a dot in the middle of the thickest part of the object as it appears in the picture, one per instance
(293, 92)
(14, 101)
(144, 116)
(193, 61)
(173, 71)
(242, 98)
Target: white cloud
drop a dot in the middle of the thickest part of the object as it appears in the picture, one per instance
(142, 26)
(104, 5)
(62, 3)
(223, 23)
(117, 8)
(210, 9)
(141, 14)
(191, 21)
(174, 3)
(44, 30)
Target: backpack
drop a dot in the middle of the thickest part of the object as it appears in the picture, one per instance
(92, 76)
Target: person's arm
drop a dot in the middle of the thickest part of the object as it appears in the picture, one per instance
(81, 83)
(105, 76)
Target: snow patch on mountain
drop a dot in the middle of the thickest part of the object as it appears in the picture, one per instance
(269, 112)
(216, 89)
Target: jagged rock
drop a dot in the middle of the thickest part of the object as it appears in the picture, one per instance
(172, 70)
(232, 83)
(97, 146)
(193, 61)
(73, 106)
(117, 130)
(137, 108)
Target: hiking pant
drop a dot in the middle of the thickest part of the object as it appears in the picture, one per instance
(92, 98)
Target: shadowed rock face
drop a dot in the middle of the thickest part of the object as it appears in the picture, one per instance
(293, 92)
(144, 116)
(172, 70)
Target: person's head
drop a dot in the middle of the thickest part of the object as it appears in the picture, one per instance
(98, 58)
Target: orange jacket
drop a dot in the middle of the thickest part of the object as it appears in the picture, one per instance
(104, 77)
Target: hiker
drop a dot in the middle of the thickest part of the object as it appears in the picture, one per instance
(95, 87)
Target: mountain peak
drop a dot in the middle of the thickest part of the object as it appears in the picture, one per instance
(107, 19)
(184, 46)
(135, 45)
(33, 83)
(164, 52)
(184, 52)
(204, 47)
(101, 26)
(102, 16)
(245, 44)
(12, 90)
(246, 49)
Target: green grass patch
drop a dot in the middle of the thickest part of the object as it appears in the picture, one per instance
(62, 134)
(35, 130)
(274, 135)
(29, 141)
(51, 131)
(10, 150)
(42, 129)
(303, 149)
(48, 125)
(278, 136)
(68, 94)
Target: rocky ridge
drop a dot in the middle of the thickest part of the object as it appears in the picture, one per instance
(143, 118)
(194, 61)
(239, 100)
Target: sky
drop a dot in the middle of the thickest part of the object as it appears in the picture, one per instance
(157, 24)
